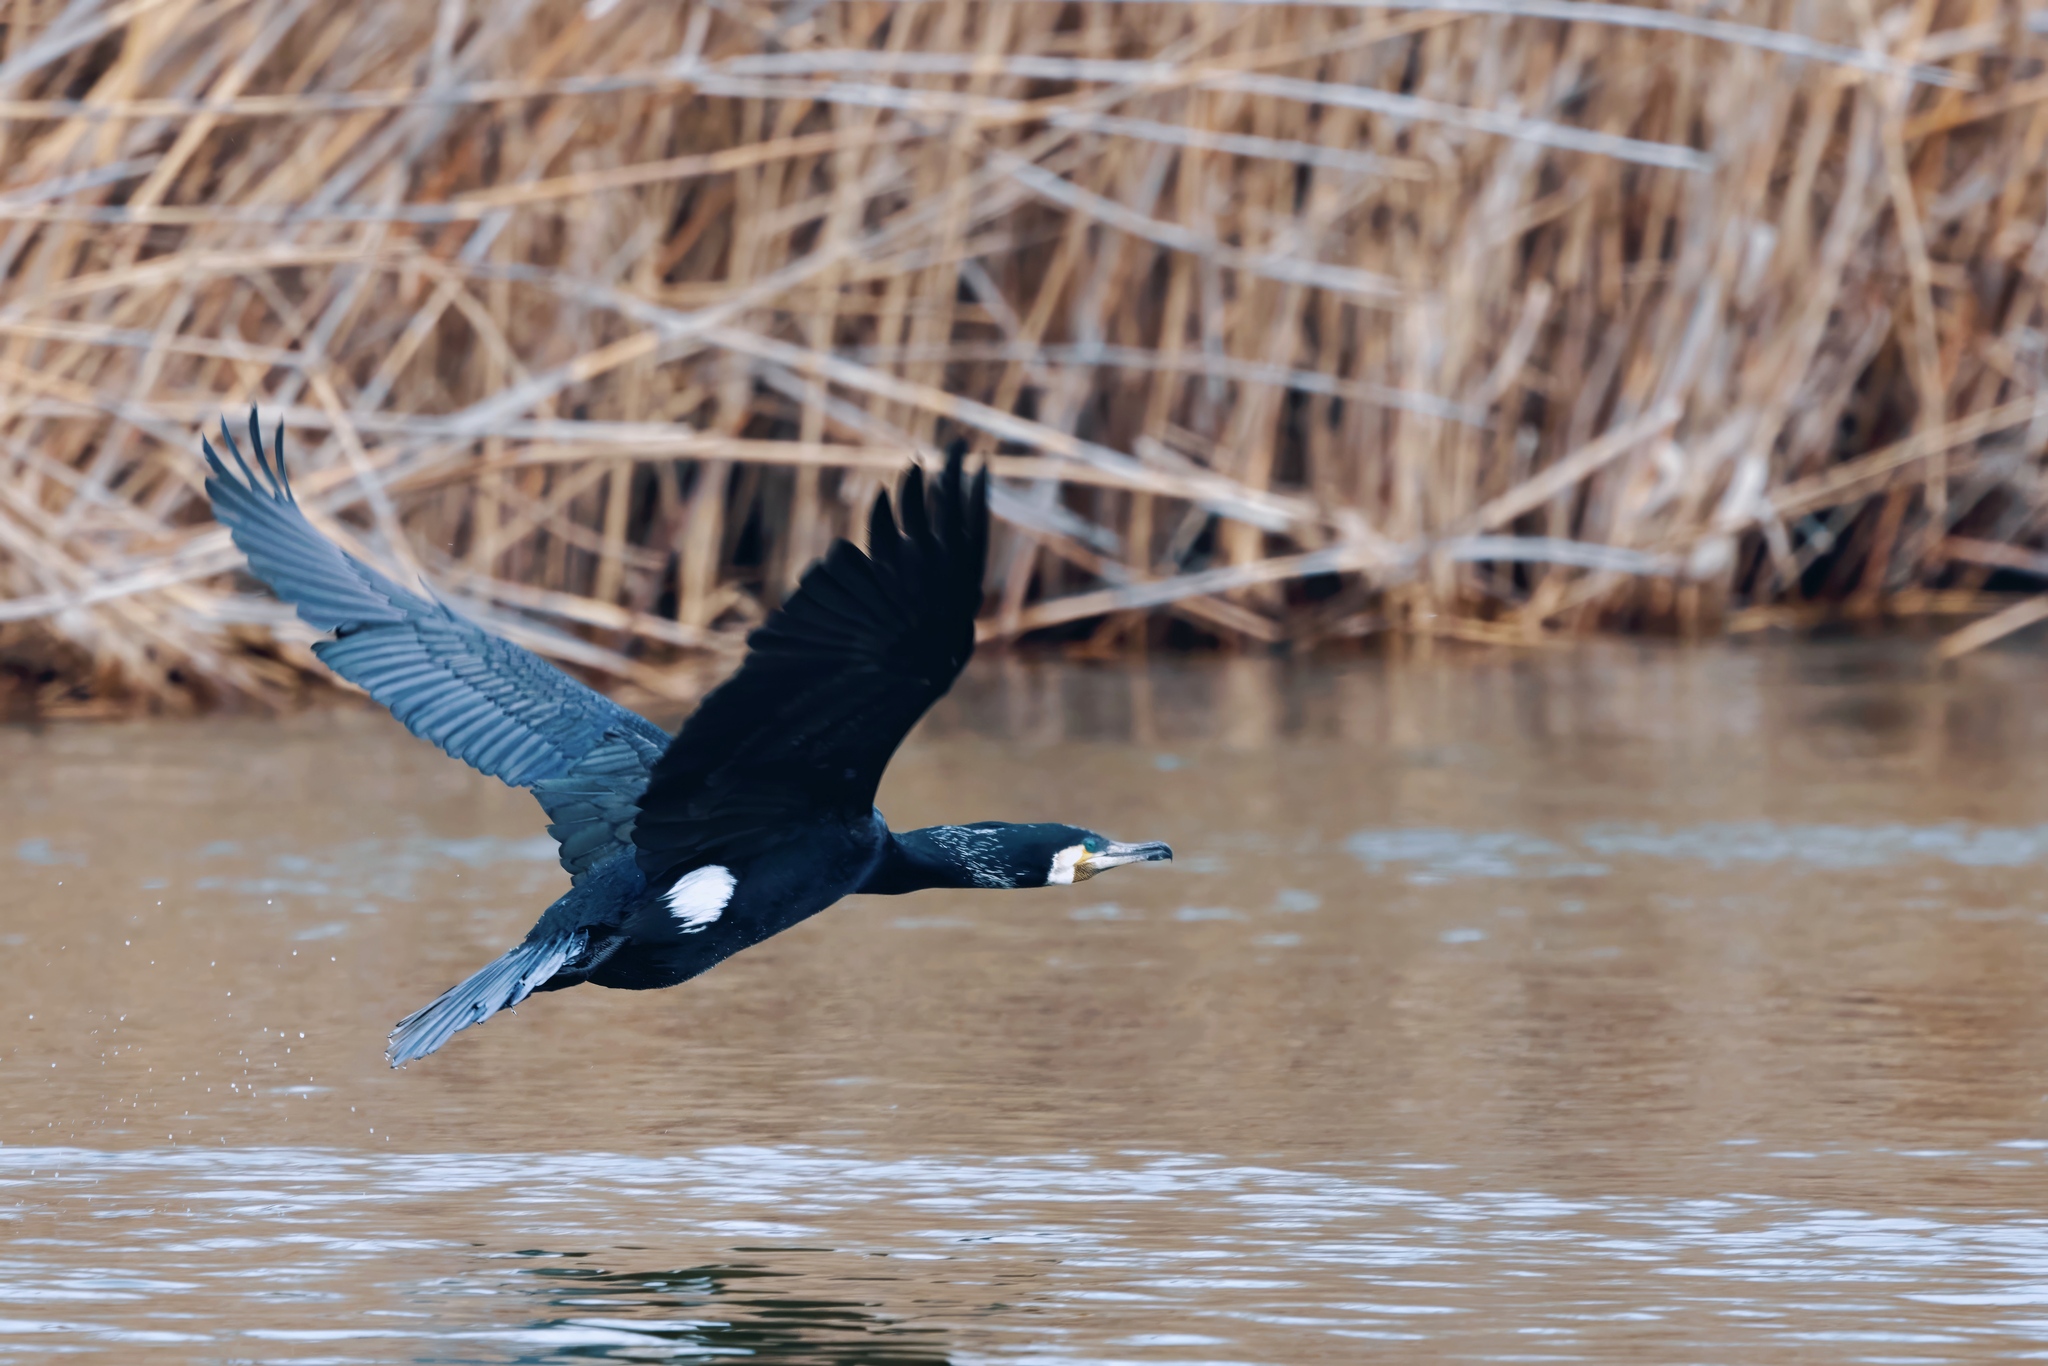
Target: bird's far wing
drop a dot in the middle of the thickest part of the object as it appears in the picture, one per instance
(832, 682)
(500, 709)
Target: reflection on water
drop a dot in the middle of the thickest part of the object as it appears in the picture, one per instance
(1627, 1006)
(829, 1256)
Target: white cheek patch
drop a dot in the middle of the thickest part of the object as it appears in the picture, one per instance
(1064, 866)
(698, 897)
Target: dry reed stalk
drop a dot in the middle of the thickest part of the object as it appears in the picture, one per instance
(1497, 320)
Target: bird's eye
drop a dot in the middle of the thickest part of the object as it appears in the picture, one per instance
(1092, 845)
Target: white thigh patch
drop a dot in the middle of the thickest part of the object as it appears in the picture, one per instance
(699, 896)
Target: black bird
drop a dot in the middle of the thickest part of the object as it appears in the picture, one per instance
(758, 814)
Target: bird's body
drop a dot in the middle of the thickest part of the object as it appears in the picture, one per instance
(757, 815)
(643, 938)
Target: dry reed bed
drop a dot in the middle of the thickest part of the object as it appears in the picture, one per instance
(1491, 319)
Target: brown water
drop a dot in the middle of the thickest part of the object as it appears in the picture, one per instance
(1631, 1007)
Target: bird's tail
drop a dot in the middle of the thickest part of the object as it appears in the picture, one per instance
(498, 986)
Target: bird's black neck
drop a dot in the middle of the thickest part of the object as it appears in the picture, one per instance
(940, 856)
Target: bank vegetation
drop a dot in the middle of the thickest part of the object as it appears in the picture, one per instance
(1498, 320)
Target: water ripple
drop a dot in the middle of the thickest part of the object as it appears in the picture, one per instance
(956, 1258)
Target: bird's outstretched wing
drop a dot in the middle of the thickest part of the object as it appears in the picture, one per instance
(500, 709)
(832, 682)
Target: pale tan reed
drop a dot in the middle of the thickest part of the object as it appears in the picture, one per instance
(1487, 320)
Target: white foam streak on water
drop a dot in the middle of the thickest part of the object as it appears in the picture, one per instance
(1881, 845)
(1361, 1252)
(1433, 854)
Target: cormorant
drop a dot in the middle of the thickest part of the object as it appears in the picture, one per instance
(758, 814)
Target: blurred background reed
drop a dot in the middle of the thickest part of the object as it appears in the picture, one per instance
(1501, 320)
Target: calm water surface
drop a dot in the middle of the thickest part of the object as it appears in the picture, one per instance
(1624, 1007)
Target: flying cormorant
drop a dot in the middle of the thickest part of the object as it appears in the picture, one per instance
(758, 814)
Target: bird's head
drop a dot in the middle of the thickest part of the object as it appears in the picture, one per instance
(1060, 855)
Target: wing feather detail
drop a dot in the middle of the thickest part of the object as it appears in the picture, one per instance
(832, 682)
(497, 707)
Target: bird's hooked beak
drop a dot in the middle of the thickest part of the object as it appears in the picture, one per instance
(1116, 855)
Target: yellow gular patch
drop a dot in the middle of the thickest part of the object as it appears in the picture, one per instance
(1068, 868)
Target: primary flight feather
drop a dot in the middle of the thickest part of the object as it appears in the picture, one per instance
(758, 814)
